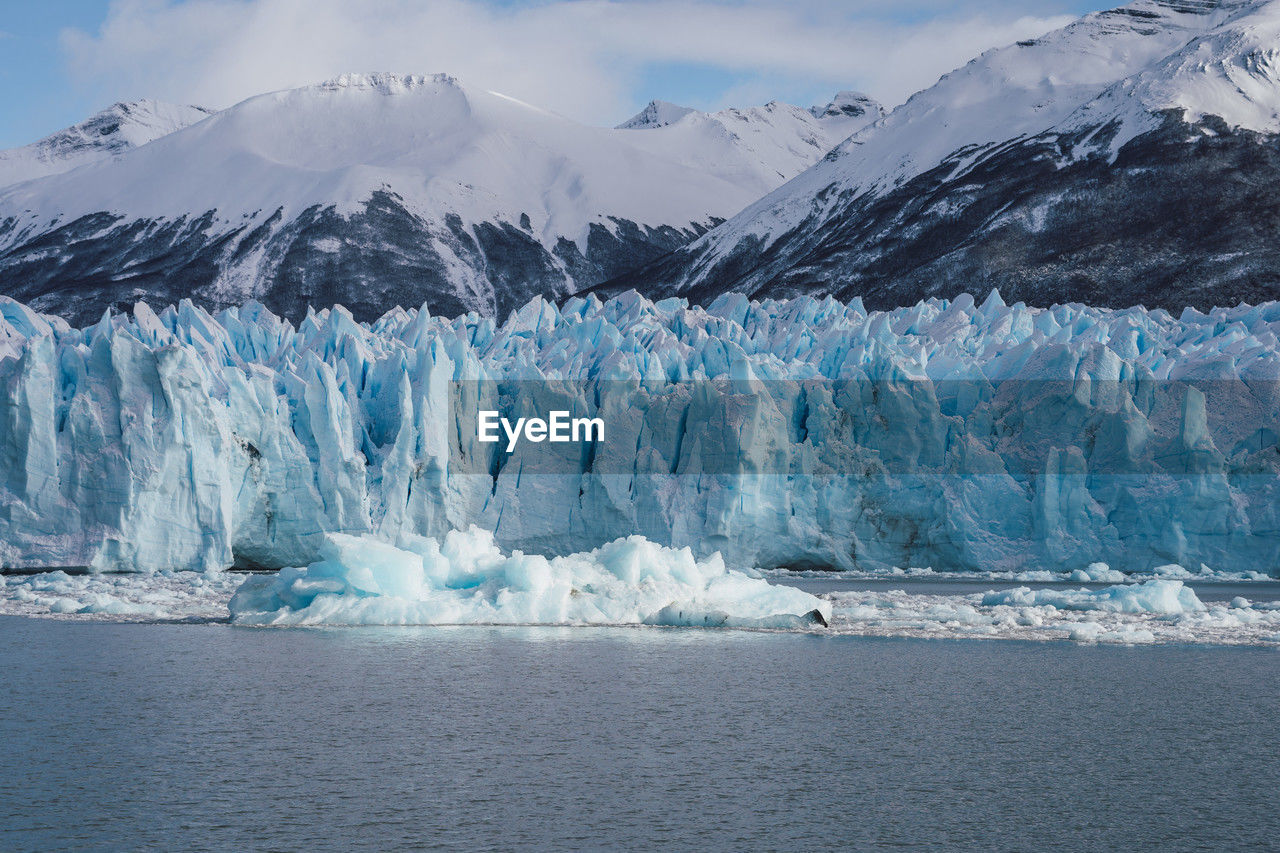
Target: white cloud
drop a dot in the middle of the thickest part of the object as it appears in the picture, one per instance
(583, 58)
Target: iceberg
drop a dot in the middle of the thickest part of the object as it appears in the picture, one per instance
(1153, 596)
(805, 433)
(466, 579)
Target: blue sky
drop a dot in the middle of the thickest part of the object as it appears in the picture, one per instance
(595, 60)
(36, 94)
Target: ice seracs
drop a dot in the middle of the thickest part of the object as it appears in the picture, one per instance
(805, 433)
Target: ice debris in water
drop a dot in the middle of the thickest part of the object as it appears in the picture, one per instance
(162, 596)
(467, 579)
(1153, 596)
(1155, 611)
(388, 583)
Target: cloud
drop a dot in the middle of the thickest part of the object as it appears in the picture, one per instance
(583, 58)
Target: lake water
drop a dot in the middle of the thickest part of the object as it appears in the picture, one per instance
(208, 736)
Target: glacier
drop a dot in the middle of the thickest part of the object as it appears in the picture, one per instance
(807, 433)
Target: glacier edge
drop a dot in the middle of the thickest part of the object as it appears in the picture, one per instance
(185, 440)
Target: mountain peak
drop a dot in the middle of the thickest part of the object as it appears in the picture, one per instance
(852, 104)
(656, 114)
(123, 125)
(399, 189)
(105, 134)
(388, 83)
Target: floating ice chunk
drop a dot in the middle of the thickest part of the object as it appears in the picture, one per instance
(1096, 632)
(1098, 573)
(467, 579)
(1138, 614)
(1153, 596)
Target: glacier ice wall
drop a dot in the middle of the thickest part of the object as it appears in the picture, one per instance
(800, 433)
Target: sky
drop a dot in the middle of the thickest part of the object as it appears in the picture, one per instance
(597, 61)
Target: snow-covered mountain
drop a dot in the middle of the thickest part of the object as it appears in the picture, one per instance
(855, 106)
(1131, 157)
(656, 114)
(382, 190)
(779, 133)
(100, 137)
(779, 140)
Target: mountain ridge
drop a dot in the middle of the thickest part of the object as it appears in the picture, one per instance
(105, 134)
(1126, 158)
(1001, 174)
(381, 189)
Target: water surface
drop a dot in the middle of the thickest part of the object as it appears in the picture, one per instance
(209, 736)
